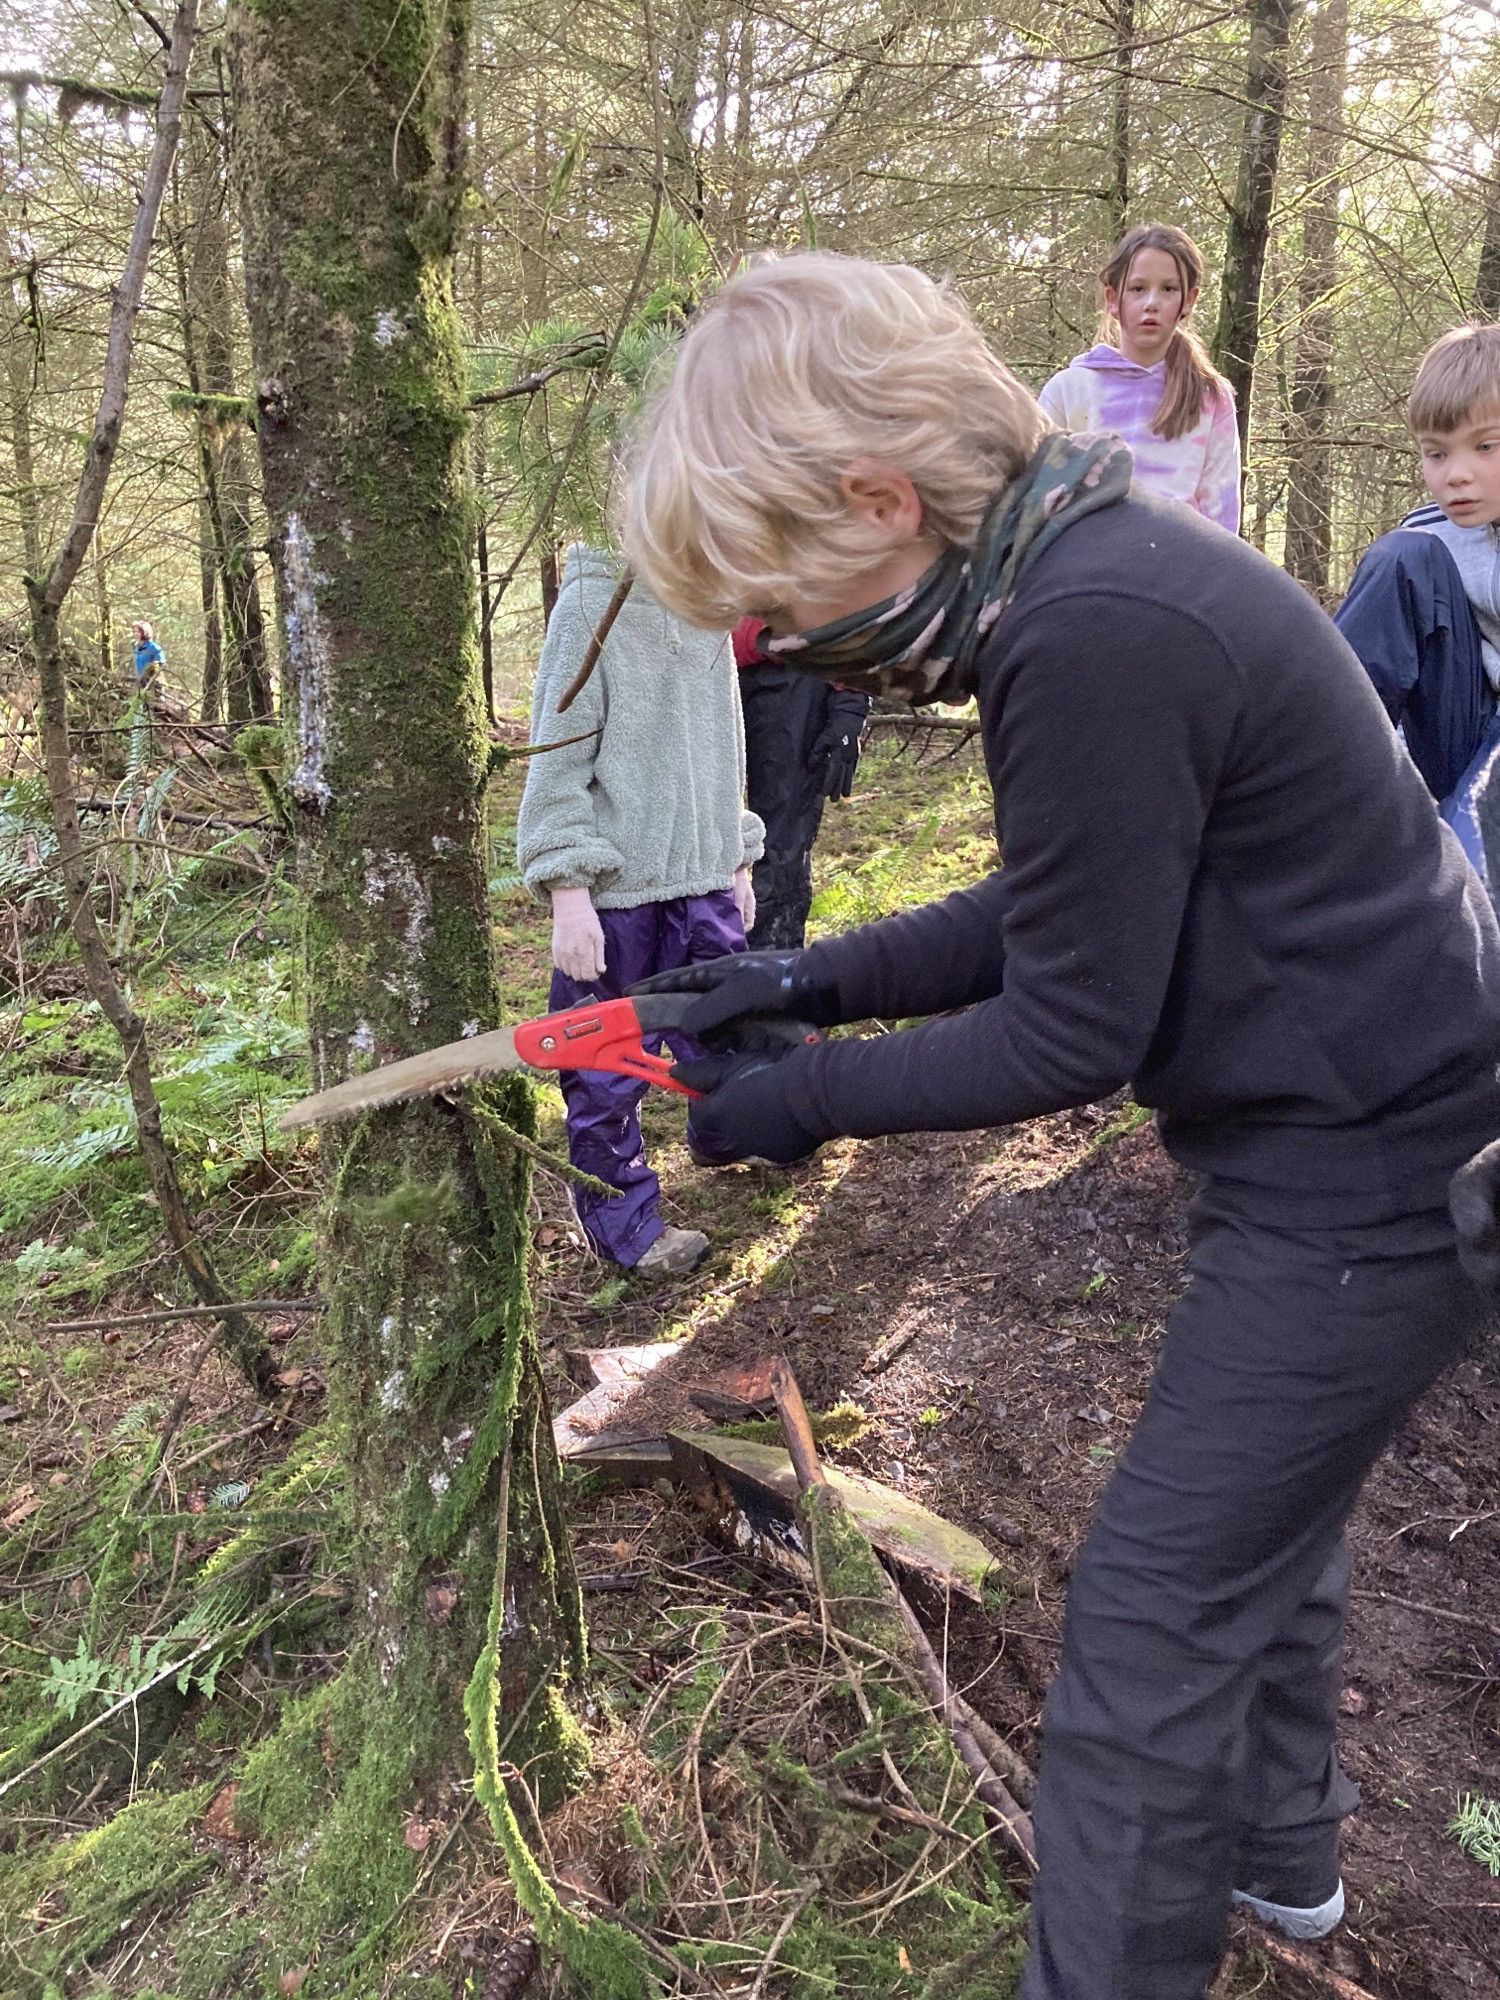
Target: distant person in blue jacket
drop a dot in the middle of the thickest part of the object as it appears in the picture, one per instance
(1423, 611)
(149, 657)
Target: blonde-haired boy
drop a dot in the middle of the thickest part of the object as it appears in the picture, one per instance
(1423, 611)
(1224, 881)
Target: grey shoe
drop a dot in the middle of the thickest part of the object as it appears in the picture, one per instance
(1316, 1922)
(673, 1251)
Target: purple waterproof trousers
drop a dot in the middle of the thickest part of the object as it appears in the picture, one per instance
(604, 1126)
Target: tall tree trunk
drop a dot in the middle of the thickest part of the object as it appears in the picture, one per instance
(1487, 278)
(22, 360)
(211, 699)
(1486, 302)
(1238, 333)
(103, 618)
(1309, 527)
(349, 138)
(208, 342)
(1119, 139)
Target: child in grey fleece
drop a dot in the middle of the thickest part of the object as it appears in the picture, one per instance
(640, 841)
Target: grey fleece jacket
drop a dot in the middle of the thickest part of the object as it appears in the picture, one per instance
(652, 806)
(1477, 553)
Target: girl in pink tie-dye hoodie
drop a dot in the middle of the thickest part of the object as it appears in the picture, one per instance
(1150, 378)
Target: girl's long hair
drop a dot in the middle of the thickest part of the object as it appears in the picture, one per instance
(1191, 378)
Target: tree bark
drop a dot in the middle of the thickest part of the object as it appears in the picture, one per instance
(1238, 334)
(1119, 141)
(1309, 530)
(1486, 299)
(47, 597)
(349, 152)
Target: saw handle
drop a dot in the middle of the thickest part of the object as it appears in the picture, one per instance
(607, 1035)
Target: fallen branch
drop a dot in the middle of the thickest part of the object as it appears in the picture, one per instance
(210, 821)
(1430, 1610)
(185, 1312)
(1309, 1968)
(1010, 1767)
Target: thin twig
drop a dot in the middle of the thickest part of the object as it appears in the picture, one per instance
(809, 1890)
(602, 631)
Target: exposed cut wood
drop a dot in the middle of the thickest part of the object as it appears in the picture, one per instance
(750, 1491)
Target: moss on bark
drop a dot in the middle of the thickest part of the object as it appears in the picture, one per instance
(348, 131)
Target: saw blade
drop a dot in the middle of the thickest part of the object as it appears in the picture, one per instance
(445, 1068)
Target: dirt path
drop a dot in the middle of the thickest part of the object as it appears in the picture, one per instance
(1019, 1283)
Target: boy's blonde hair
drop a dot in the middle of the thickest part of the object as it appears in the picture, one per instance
(1459, 378)
(732, 500)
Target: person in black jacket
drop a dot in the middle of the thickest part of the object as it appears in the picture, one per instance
(1225, 884)
(801, 747)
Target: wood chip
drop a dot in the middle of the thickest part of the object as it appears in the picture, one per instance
(884, 1352)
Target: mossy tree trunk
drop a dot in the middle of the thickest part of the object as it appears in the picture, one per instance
(348, 142)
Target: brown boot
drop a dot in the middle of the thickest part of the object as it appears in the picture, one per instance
(673, 1251)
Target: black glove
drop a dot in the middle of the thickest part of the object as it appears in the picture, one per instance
(747, 982)
(1474, 1204)
(743, 1114)
(836, 754)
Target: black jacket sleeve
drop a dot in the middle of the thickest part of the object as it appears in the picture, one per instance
(1107, 726)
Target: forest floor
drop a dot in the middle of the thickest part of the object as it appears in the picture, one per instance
(990, 1302)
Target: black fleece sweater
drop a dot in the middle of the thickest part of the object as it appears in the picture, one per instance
(1223, 882)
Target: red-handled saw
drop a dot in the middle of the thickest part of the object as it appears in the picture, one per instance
(605, 1035)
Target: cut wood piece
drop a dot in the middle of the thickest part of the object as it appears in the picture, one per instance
(620, 1426)
(598, 1431)
(592, 1367)
(730, 1395)
(632, 1461)
(751, 1491)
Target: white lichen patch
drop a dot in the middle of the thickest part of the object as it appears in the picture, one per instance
(439, 1482)
(363, 1038)
(443, 843)
(391, 1649)
(393, 1389)
(469, 1028)
(388, 329)
(455, 1447)
(308, 658)
(391, 878)
(510, 1623)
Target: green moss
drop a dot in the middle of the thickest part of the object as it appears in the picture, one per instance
(285, 1783)
(834, 1429)
(65, 1903)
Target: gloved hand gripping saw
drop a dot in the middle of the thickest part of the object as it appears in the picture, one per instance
(603, 1035)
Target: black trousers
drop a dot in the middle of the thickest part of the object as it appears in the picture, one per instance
(1188, 1744)
(785, 714)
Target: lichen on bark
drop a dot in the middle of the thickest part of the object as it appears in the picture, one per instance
(348, 132)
